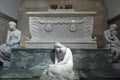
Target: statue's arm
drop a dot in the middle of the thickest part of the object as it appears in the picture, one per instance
(18, 38)
(8, 38)
(106, 37)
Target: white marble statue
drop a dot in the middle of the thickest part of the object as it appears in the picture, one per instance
(113, 42)
(63, 63)
(13, 40)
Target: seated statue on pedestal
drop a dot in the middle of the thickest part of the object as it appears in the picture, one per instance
(113, 42)
(62, 69)
(13, 40)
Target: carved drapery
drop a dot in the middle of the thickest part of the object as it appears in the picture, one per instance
(73, 29)
(81, 27)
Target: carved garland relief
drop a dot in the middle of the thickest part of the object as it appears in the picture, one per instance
(72, 23)
(83, 25)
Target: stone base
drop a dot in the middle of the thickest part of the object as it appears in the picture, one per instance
(50, 45)
(37, 60)
(91, 75)
(116, 66)
(29, 64)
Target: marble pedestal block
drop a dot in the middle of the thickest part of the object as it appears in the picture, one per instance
(39, 59)
(29, 64)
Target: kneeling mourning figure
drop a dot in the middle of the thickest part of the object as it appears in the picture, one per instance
(62, 68)
(13, 40)
(113, 43)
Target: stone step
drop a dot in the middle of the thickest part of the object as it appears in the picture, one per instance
(116, 66)
(8, 74)
(98, 78)
(100, 75)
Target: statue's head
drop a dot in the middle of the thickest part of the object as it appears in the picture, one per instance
(113, 27)
(59, 47)
(12, 25)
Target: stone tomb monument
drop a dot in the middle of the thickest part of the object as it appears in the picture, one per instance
(73, 29)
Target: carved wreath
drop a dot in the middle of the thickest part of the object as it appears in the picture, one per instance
(72, 27)
(48, 27)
